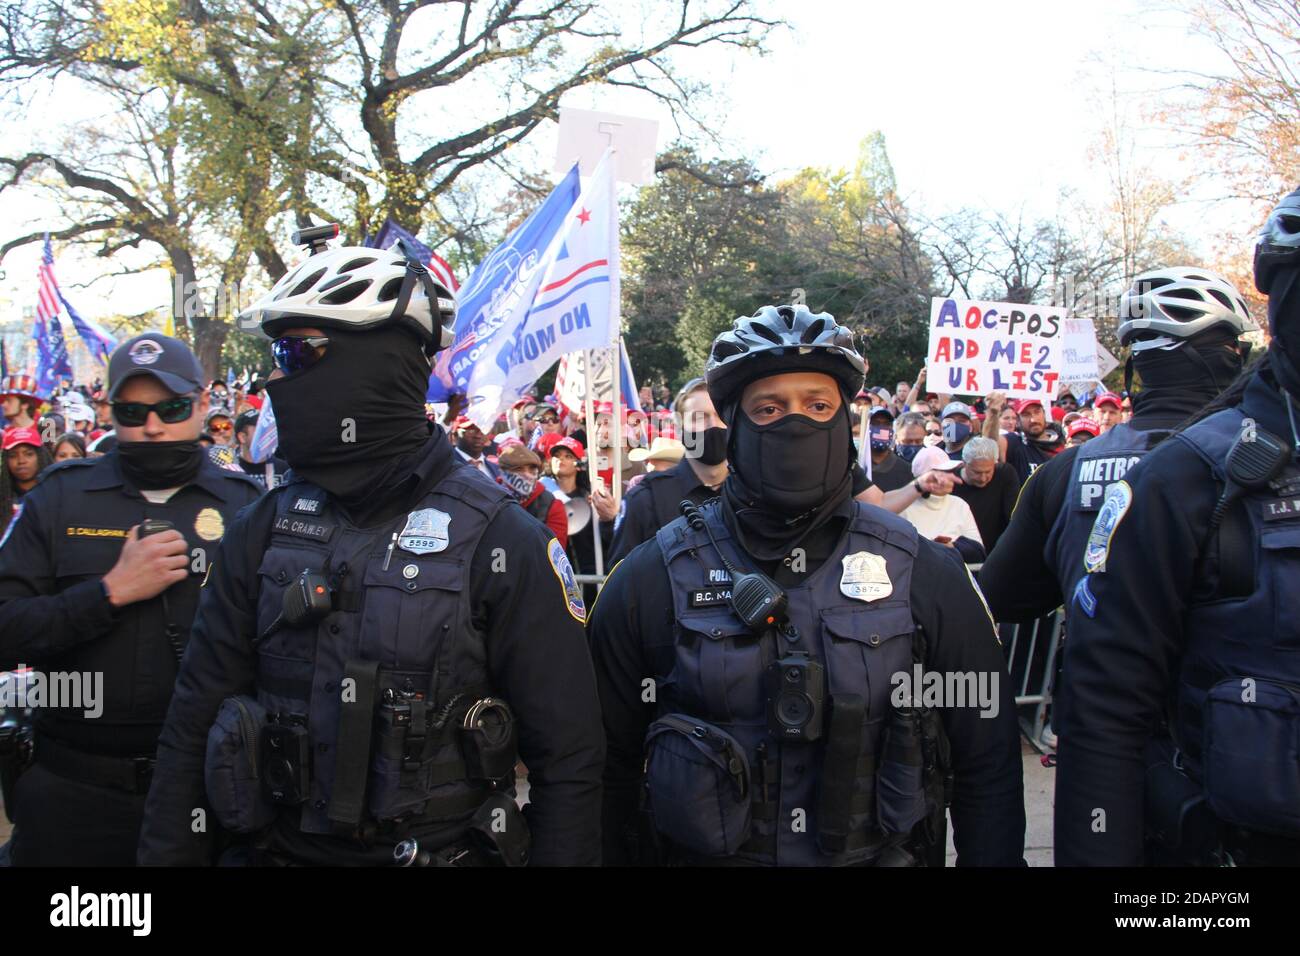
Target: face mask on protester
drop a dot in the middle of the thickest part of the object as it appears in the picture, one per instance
(519, 485)
(908, 452)
(954, 431)
(882, 439)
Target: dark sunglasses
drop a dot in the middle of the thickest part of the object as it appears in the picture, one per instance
(171, 411)
(293, 353)
(549, 420)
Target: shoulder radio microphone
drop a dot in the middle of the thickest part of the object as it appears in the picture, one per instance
(1255, 459)
(756, 598)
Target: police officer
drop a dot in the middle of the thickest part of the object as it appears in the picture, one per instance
(770, 736)
(655, 500)
(1182, 327)
(91, 599)
(1188, 612)
(361, 629)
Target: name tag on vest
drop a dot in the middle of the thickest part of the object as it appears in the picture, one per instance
(304, 529)
(1279, 509)
(709, 597)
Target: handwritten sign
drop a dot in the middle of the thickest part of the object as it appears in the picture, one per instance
(978, 347)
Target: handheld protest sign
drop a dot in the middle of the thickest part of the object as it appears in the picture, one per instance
(978, 347)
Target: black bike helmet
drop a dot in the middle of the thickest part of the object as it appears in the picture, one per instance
(1278, 246)
(778, 339)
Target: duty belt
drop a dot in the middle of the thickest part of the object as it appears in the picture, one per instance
(131, 774)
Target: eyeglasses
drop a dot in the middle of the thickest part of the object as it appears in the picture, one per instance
(549, 420)
(221, 428)
(171, 411)
(293, 353)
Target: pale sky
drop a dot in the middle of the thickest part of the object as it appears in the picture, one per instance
(991, 105)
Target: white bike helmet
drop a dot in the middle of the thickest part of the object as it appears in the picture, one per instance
(1167, 305)
(355, 288)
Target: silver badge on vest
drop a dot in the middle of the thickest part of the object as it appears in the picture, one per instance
(865, 577)
(425, 531)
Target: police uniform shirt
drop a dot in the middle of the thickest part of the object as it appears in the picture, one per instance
(537, 659)
(54, 612)
(641, 519)
(632, 639)
(1121, 661)
(1018, 578)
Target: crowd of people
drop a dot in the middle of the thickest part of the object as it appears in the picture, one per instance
(684, 621)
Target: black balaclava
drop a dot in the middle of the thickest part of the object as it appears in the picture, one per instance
(368, 387)
(787, 477)
(153, 465)
(1177, 383)
(1284, 327)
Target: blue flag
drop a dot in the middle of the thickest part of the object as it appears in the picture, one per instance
(98, 342)
(52, 364)
(497, 298)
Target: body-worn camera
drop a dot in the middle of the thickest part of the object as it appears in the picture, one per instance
(286, 759)
(796, 686)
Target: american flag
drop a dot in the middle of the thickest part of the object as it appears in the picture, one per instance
(52, 364)
(47, 302)
(439, 267)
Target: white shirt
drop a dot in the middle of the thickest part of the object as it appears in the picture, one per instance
(943, 515)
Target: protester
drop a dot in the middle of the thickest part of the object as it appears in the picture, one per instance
(956, 428)
(989, 487)
(68, 446)
(521, 470)
(889, 472)
(1107, 411)
(1081, 430)
(662, 455)
(269, 473)
(25, 458)
(944, 518)
(21, 401)
(471, 445)
(220, 426)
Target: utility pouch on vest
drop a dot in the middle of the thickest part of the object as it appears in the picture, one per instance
(1252, 773)
(500, 830)
(697, 782)
(401, 771)
(489, 741)
(231, 771)
(900, 781)
(843, 744)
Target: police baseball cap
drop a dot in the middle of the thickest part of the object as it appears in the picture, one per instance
(168, 360)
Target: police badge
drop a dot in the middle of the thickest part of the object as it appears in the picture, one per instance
(865, 577)
(425, 531)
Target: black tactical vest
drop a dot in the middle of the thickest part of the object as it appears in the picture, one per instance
(404, 602)
(718, 676)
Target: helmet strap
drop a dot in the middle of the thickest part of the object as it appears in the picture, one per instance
(416, 272)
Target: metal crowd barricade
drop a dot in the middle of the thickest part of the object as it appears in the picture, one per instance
(1031, 649)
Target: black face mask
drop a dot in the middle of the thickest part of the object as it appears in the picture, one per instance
(1180, 381)
(1284, 325)
(346, 422)
(151, 465)
(794, 464)
(708, 447)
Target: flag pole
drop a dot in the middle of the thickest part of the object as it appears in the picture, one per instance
(864, 439)
(591, 457)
